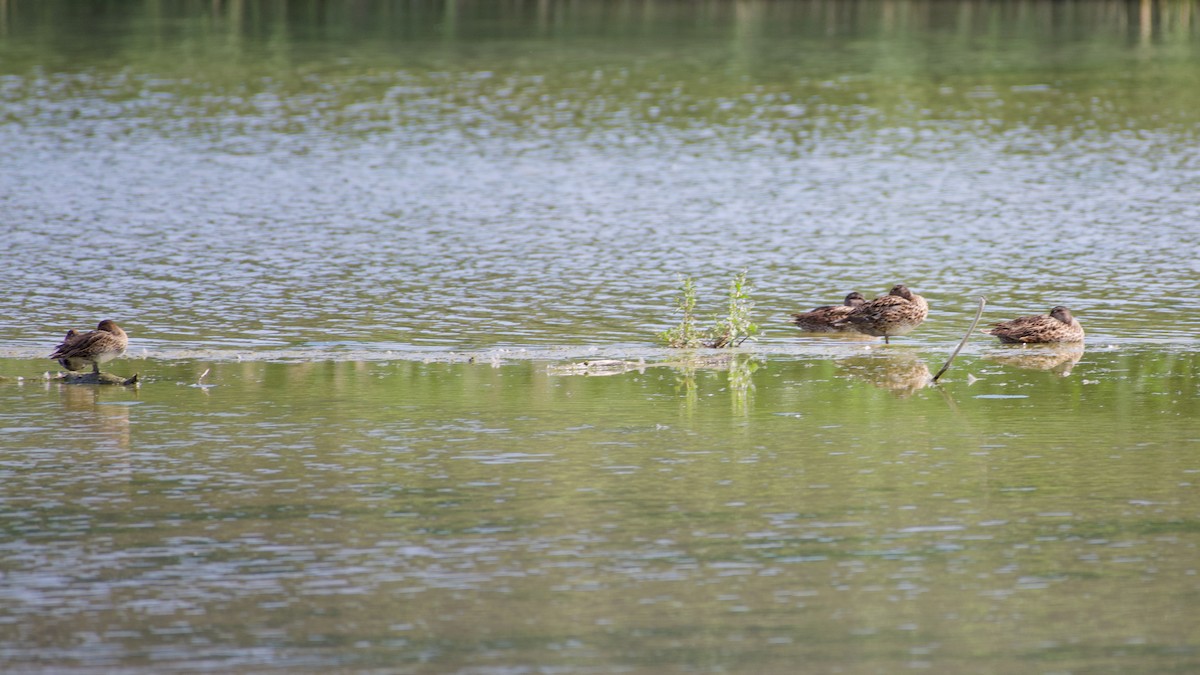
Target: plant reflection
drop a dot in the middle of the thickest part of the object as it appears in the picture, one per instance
(739, 371)
(739, 380)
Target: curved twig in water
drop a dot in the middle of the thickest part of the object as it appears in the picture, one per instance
(946, 366)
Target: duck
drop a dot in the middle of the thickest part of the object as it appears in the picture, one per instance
(897, 313)
(1057, 326)
(821, 319)
(98, 346)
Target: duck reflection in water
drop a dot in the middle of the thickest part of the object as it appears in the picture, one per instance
(101, 437)
(1059, 359)
(901, 372)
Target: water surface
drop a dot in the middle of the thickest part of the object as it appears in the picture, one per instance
(463, 517)
(250, 177)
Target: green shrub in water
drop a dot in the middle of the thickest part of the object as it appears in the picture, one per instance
(729, 331)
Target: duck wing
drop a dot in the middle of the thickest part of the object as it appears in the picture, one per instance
(1024, 328)
(878, 309)
(86, 344)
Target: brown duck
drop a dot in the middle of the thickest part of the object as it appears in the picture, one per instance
(897, 313)
(98, 346)
(821, 319)
(1057, 326)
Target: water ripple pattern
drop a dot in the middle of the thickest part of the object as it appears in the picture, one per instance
(402, 204)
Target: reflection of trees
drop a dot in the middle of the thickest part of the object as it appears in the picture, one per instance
(1058, 359)
(749, 19)
(900, 371)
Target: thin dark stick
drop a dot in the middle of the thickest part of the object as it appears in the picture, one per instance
(979, 313)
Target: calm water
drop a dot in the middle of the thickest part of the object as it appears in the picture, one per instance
(467, 518)
(387, 231)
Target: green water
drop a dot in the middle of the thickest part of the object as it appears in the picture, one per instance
(362, 251)
(746, 516)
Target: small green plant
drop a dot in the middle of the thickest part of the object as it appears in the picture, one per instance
(737, 327)
(685, 335)
(730, 331)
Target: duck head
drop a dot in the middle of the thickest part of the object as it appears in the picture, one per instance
(1062, 314)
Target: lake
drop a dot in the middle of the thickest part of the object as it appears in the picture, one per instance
(364, 253)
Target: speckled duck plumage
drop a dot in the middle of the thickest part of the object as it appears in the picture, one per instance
(897, 313)
(1057, 326)
(94, 347)
(822, 319)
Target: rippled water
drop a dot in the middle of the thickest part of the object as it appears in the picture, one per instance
(475, 195)
(362, 250)
(741, 516)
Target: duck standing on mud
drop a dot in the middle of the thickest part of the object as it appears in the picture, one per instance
(98, 346)
(821, 319)
(1057, 326)
(897, 313)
